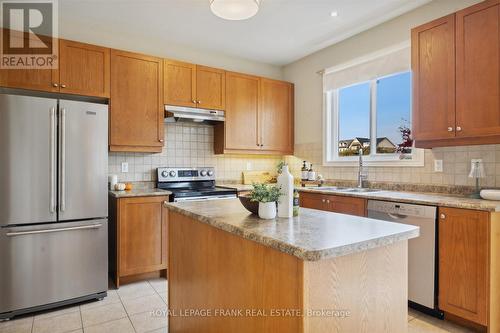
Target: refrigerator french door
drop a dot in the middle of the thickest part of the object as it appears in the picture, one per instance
(53, 202)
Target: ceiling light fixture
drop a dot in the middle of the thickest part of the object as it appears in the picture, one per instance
(234, 9)
(334, 14)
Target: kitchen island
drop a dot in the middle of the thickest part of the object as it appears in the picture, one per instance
(230, 271)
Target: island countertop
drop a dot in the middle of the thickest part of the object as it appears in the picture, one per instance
(313, 235)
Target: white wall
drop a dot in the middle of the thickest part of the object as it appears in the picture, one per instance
(101, 35)
(308, 84)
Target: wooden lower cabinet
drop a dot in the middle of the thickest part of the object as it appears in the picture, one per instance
(469, 266)
(138, 236)
(333, 203)
(464, 263)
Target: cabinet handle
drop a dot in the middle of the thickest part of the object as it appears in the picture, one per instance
(63, 86)
(199, 102)
(161, 140)
(327, 201)
(194, 101)
(55, 85)
(459, 128)
(442, 216)
(323, 200)
(450, 129)
(165, 203)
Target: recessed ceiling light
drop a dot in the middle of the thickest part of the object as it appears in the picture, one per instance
(235, 9)
(334, 14)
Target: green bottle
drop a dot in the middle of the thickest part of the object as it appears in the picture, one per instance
(295, 203)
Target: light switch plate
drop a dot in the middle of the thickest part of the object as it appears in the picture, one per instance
(124, 166)
(438, 165)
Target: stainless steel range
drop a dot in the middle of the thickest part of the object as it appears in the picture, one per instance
(192, 184)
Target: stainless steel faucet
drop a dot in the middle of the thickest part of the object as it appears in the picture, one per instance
(361, 171)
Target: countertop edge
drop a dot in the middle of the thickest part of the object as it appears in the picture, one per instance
(139, 193)
(306, 255)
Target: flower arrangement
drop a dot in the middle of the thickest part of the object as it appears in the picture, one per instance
(406, 140)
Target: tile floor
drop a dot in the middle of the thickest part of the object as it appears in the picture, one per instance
(130, 310)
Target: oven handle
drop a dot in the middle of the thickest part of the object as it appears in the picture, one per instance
(207, 198)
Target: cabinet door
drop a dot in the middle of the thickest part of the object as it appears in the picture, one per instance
(313, 201)
(478, 67)
(84, 69)
(143, 234)
(463, 263)
(347, 205)
(276, 116)
(210, 88)
(180, 83)
(433, 66)
(242, 103)
(33, 79)
(136, 107)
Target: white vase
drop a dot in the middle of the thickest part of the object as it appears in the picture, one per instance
(267, 210)
(285, 183)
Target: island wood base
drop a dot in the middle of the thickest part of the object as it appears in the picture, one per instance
(213, 274)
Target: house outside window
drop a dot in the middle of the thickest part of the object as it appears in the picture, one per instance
(368, 104)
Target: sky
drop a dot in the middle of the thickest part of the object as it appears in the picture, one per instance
(393, 105)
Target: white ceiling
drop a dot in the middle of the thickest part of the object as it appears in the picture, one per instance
(281, 32)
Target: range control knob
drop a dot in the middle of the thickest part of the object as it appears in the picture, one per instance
(203, 173)
(210, 173)
(164, 173)
(172, 173)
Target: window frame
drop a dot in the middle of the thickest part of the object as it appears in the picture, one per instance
(331, 138)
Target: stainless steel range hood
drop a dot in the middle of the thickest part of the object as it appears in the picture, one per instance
(183, 113)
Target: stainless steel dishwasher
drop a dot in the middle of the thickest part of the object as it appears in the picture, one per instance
(422, 254)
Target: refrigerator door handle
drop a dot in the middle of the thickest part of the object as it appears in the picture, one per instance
(52, 158)
(44, 231)
(63, 160)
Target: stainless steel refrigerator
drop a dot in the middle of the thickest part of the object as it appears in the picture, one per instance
(53, 202)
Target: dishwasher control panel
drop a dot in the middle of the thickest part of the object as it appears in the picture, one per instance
(397, 208)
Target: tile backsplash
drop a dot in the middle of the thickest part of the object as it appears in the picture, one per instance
(187, 145)
(191, 145)
(456, 166)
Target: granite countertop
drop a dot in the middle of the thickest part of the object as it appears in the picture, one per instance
(312, 236)
(433, 199)
(140, 192)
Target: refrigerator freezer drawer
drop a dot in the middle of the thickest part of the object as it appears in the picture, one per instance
(53, 262)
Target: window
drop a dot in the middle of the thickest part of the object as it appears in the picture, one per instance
(373, 116)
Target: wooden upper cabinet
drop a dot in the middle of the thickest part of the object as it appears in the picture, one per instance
(143, 235)
(194, 85)
(180, 83)
(136, 108)
(33, 79)
(84, 69)
(478, 70)
(463, 263)
(242, 106)
(276, 116)
(210, 88)
(433, 66)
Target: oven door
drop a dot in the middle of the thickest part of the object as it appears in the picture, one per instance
(205, 198)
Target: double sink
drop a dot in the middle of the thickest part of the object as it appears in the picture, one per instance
(345, 189)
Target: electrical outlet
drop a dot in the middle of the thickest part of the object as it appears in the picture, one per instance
(124, 166)
(249, 166)
(438, 165)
